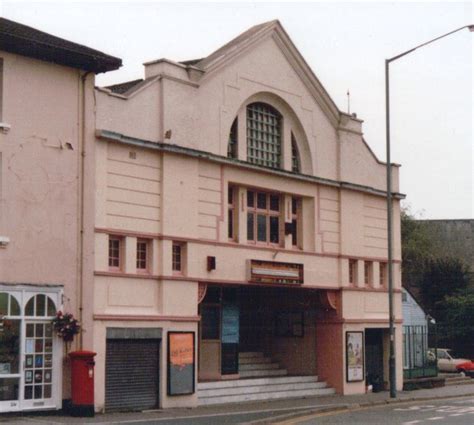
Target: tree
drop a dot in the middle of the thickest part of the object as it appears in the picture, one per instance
(442, 278)
(418, 248)
(457, 328)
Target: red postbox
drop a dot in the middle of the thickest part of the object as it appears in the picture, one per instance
(82, 383)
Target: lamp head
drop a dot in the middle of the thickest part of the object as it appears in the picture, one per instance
(470, 28)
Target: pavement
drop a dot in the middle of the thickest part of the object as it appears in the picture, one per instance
(256, 413)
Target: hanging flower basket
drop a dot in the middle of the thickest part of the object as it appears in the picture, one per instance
(66, 326)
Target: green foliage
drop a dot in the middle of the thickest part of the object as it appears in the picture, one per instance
(456, 330)
(442, 284)
(418, 248)
(442, 277)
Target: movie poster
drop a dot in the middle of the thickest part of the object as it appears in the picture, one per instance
(180, 363)
(354, 356)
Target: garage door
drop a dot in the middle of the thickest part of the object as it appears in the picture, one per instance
(131, 374)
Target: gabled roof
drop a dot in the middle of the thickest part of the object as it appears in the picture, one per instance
(27, 41)
(256, 34)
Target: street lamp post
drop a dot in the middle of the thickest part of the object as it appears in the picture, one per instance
(392, 374)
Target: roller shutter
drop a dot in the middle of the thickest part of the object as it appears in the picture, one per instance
(131, 374)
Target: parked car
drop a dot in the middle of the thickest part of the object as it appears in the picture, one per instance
(447, 359)
(466, 368)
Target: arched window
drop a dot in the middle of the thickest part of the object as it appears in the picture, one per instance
(40, 306)
(9, 306)
(263, 135)
(295, 156)
(232, 146)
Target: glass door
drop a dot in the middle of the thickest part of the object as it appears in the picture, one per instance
(38, 363)
(10, 345)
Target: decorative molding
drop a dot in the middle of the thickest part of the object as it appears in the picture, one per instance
(146, 318)
(236, 245)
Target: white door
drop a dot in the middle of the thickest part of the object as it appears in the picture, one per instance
(38, 365)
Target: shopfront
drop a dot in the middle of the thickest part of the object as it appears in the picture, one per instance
(30, 352)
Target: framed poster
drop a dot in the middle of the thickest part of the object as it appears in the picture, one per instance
(181, 355)
(354, 356)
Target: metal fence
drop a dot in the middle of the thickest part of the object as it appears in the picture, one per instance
(416, 361)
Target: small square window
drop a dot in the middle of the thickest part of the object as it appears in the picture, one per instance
(142, 255)
(115, 252)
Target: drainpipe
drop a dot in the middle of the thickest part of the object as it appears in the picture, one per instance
(82, 153)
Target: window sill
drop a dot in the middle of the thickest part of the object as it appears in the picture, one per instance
(4, 127)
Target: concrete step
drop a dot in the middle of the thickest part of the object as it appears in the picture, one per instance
(459, 381)
(257, 366)
(265, 396)
(254, 360)
(257, 389)
(269, 372)
(250, 354)
(256, 382)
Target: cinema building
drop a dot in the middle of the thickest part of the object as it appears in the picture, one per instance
(238, 208)
(219, 226)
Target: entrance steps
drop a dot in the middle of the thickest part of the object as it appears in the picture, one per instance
(456, 379)
(262, 380)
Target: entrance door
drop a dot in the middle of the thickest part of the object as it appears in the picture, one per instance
(131, 374)
(374, 358)
(10, 337)
(38, 364)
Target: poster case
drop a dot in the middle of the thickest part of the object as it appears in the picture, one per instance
(354, 356)
(181, 367)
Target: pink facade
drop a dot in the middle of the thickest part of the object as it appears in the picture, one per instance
(227, 197)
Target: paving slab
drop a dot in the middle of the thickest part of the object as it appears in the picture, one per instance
(259, 410)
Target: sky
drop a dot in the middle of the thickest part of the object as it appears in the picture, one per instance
(345, 43)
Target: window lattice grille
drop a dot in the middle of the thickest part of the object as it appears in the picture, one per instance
(295, 156)
(263, 135)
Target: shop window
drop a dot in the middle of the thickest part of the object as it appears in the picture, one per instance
(263, 217)
(9, 306)
(353, 272)
(264, 135)
(368, 265)
(40, 306)
(115, 252)
(231, 213)
(178, 258)
(143, 254)
(232, 146)
(295, 156)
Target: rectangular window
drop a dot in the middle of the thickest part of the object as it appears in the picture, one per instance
(383, 274)
(295, 208)
(142, 255)
(263, 217)
(115, 252)
(368, 272)
(231, 213)
(353, 272)
(177, 257)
